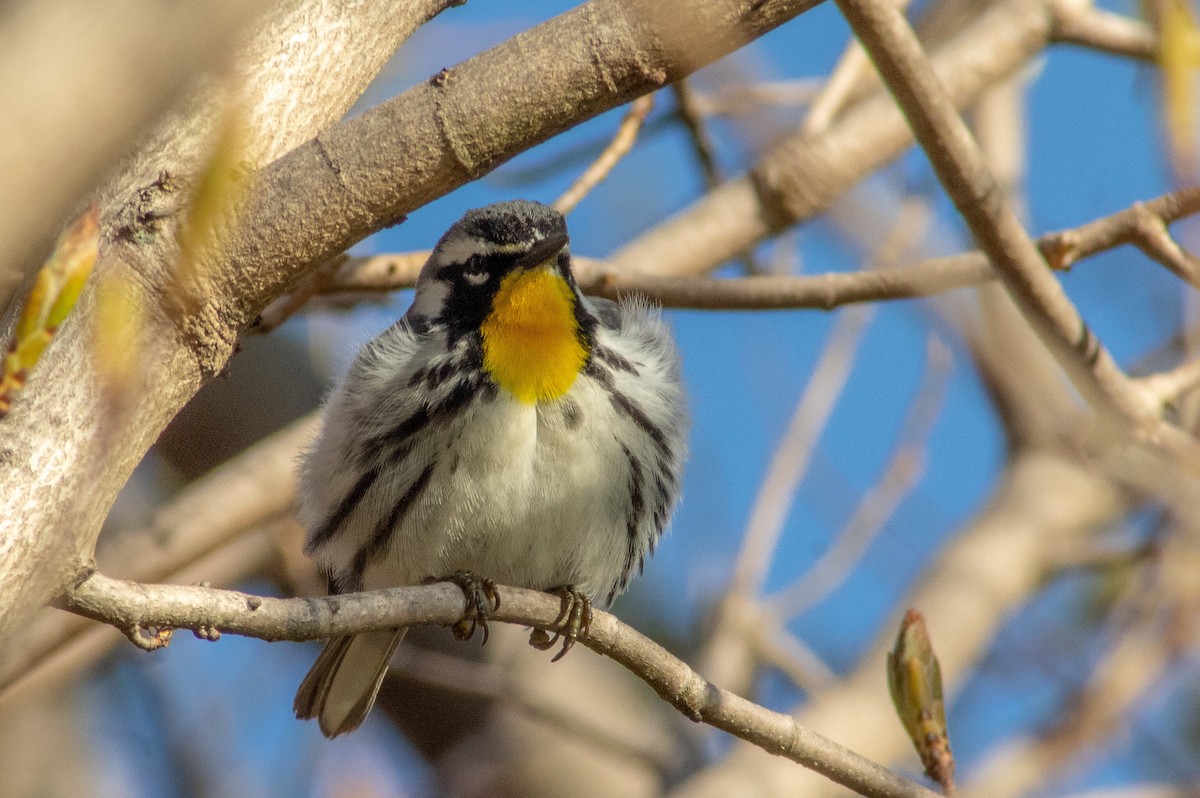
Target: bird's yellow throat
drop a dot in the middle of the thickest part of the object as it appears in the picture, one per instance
(531, 342)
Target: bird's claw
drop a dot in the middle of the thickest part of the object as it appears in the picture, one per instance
(574, 620)
(481, 597)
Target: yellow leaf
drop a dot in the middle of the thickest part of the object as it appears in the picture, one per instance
(55, 291)
(218, 188)
(119, 319)
(1178, 42)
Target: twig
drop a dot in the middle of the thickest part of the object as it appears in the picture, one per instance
(1103, 31)
(691, 117)
(791, 460)
(725, 655)
(1169, 387)
(962, 171)
(1154, 239)
(751, 97)
(801, 177)
(1062, 249)
(702, 146)
(617, 149)
(851, 68)
(124, 604)
(899, 478)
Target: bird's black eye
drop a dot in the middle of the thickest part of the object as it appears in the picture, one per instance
(475, 270)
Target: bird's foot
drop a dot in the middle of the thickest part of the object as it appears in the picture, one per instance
(482, 599)
(574, 619)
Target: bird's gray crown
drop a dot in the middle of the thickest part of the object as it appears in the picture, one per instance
(508, 223)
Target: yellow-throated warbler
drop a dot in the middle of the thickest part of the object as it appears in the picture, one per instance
(506, 428)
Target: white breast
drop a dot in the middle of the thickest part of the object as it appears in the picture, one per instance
(528, 495)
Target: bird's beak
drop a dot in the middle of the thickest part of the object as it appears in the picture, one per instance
(545, 250)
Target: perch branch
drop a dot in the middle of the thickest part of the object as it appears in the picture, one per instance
(127, 605)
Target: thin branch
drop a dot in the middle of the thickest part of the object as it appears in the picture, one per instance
(791, 460)
(129, 604)
(779, 648)
(751, 98)
(851, 69)
(962, 171)
(1062, 249)
(726, 657)
(689, 113)
(1104, 31)
(1169, 387)
(1154, 239)
(617, 149)
(899, 478)
(693, 122)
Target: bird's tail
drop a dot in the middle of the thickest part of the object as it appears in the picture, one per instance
(341, 687)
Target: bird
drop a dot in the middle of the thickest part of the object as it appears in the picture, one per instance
(506, 430)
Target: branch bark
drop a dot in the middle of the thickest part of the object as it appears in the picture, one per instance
(131, 605)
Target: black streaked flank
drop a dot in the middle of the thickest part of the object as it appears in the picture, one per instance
(387, 527)
(397, 438)
(633, 522)
(622, 403)
(611, 358)
(592, 369)
(343, 511)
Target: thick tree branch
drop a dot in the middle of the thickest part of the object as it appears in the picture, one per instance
(131, 605)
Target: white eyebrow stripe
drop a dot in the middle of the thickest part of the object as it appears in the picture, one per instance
(460, 249)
